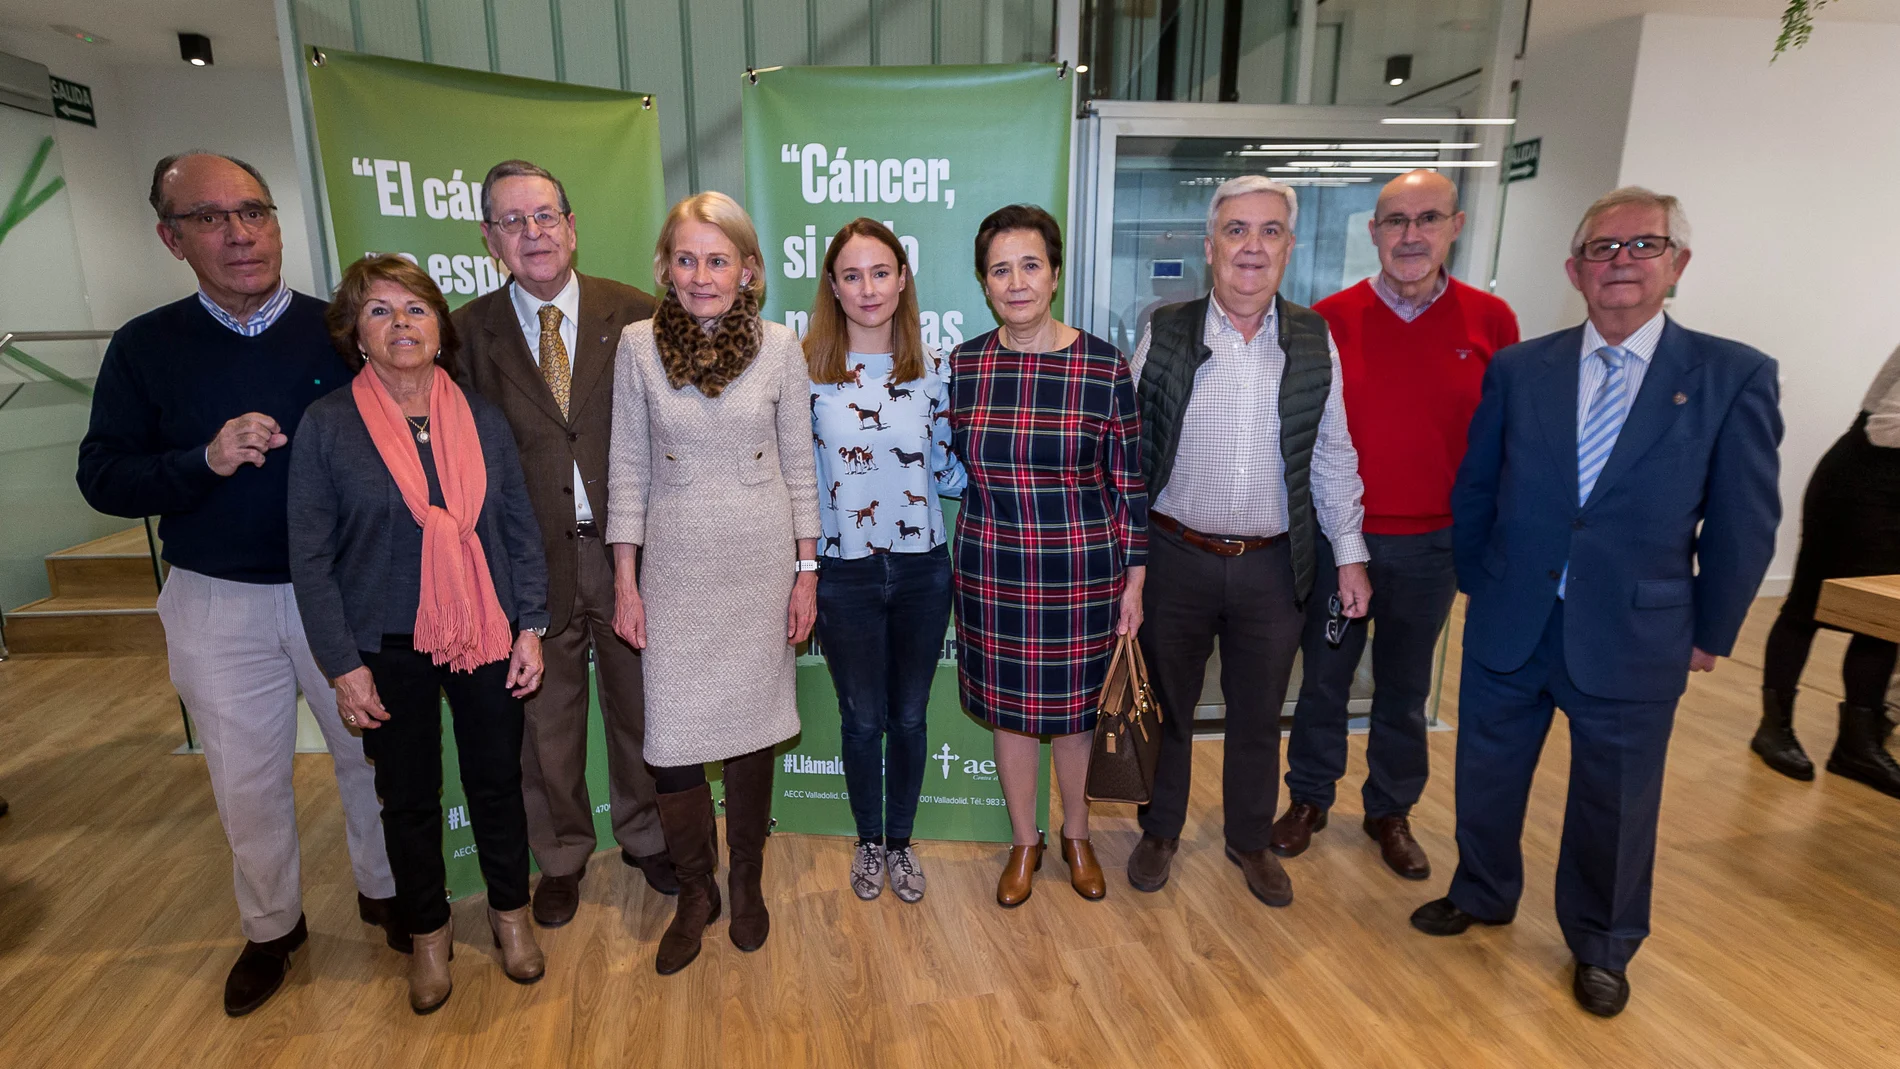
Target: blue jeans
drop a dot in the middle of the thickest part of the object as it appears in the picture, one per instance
(881, 625)
(1413, 584)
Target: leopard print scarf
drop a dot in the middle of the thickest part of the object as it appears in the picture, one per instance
(709, 362)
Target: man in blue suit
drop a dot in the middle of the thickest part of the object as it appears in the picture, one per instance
(1611, 521)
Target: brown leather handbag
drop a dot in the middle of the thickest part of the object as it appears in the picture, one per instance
(1127, 731)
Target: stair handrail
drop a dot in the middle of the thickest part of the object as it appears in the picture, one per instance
(34, 364)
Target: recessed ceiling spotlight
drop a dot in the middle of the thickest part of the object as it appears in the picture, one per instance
(195, 49)
(78, 34)
(1397, 69)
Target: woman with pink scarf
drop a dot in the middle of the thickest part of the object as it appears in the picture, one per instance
(419, 571)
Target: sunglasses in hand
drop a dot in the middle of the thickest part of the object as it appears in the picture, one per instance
(1336, 621)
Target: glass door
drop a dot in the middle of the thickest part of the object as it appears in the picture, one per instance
(1147, 171)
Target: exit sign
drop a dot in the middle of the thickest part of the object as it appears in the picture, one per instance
(72, 101)
(1520, 161)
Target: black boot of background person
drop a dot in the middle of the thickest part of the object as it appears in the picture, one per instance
(1774, 739)
(382, 913)
(1860, 752)
(686, 819)
(748, 820)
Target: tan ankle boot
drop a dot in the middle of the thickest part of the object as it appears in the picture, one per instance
(520, 955)
(429, 982)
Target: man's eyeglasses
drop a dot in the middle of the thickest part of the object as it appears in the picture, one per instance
(514, 222)
(1647, 247)
(210, 220)
(1336, 622)
(1427, 222)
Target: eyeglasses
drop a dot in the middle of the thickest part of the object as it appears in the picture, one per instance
(210, 220)
(1427, 222)
(1336, 622)
(1646, 247)
(514, 222)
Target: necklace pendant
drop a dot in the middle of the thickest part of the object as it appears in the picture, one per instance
(423, 437)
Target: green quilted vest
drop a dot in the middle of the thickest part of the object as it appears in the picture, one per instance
(1176, 351)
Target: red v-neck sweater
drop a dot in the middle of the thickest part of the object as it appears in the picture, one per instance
(1410, 391)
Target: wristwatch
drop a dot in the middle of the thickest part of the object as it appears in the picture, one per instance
(805, 566)
(537, 632)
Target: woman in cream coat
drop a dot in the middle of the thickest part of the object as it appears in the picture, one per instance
(712, 473)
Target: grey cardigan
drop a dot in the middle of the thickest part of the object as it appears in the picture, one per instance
(343, 502)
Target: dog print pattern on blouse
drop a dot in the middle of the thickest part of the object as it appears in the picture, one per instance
(884, 456)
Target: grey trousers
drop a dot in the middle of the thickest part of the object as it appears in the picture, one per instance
(238, 657)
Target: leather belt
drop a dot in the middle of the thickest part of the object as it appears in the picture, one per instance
(1225, 547)
(586, 529)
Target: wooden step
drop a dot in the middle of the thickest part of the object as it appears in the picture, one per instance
(116, 624)
(118, 565)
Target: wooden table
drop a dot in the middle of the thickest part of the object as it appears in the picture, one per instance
(1869, 605)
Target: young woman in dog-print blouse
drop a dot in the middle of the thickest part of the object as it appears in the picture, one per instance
(880, 418)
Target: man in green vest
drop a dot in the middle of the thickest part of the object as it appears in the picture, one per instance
(1248, 460)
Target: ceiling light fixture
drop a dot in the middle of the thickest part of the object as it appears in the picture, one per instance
(1397, 69)
(195, 49)
(1410, 121)
(1434, 163)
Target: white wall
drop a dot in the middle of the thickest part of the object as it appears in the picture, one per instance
(146, 112)
(1787, 172)
(1574, 94)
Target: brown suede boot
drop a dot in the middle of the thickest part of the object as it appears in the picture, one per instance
(748, 821)
(429, 981)
(686, 818)
(521, 956)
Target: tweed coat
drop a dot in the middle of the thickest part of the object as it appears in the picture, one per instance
(716, 490)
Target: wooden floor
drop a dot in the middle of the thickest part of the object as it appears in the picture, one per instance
(1777, 931)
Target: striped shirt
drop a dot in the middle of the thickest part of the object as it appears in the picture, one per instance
(260, 321)
(1641, 345)
(1229, 475)
(1404, 308)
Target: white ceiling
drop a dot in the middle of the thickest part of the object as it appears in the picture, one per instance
(1558, 17)
(243, 32)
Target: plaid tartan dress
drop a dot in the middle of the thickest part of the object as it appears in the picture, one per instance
(1054, 514)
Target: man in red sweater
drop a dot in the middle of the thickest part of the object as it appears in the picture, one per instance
(1413, 346)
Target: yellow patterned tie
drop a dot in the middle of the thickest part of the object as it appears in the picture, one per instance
(554, 356)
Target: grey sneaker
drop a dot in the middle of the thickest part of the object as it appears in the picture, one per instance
(907, 877)
(867, 870)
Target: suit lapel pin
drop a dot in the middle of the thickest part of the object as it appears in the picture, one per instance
(603, 339)
(1680, 398)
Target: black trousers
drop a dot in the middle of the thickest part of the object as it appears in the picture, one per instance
(1413, 583)
(1191, 598)
(1866, 670)
(407, 751)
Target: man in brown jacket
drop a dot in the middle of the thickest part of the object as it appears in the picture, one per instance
(542, 347)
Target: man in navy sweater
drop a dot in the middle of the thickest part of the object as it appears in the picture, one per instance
(193, 417)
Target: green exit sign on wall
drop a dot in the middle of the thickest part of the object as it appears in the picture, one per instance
(72, 101)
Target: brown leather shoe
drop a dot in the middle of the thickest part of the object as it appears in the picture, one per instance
(557, 898)
(1293, 832)
(658, 870)
(429, 981)
(1402, 853)
(692, 839)
(1148, 864)
(521, 956)
(1085, 873)
(383, 913)
(1013, 888)
(1265, 877)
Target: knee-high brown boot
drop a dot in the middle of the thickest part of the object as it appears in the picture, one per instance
(748, 818)
(686, 819)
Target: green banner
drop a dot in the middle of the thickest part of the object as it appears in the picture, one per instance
(930, 151)
(404, 147)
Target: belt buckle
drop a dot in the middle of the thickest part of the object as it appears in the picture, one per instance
(1231, 547)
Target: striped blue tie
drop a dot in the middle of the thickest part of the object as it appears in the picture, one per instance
(1602, 422)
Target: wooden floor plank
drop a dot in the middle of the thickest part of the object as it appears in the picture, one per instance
(1777, 929)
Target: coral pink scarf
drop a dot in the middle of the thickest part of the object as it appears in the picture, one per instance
(459, 621)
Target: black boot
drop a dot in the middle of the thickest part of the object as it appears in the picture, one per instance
(1860, 753)
(686, 819)
(748, 819)
(1774, 740)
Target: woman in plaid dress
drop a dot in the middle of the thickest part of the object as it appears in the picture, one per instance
(1051, 543)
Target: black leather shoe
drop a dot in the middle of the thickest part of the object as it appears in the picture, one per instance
(1603, 992)
(657, 868)
(1149, 862)
(1440, 917)
(1774, 740)
(382, 913)
(260, 971)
